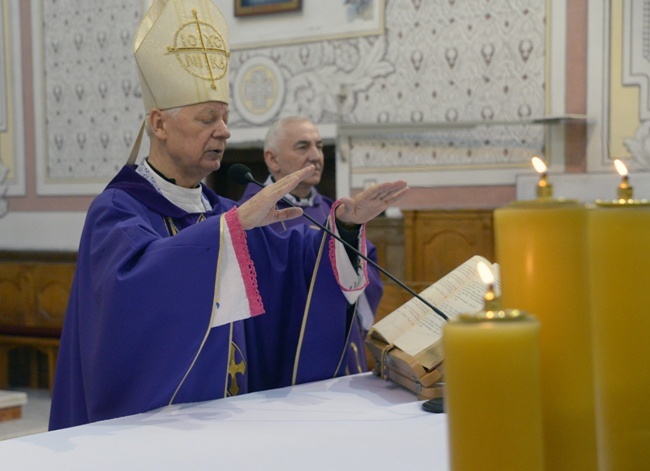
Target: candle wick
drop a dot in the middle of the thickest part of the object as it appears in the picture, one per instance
(491, 300)
(544, 187)
(625, 191)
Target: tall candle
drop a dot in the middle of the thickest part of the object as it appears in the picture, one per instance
(492, 395)
(619, 254)
(540, 246)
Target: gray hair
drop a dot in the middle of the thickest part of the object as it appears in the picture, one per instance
(277, 132)
(170, 111)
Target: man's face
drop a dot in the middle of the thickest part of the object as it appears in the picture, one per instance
(195, 140)
(299, 147)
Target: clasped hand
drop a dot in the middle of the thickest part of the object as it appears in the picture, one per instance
(260, 210)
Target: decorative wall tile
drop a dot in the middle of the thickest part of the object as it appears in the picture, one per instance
(439, 61)
(12, 136)
(4, 170)
(636, 73)
(4, 86)
(92, 97)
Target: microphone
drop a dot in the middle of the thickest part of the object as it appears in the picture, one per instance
(240, 173)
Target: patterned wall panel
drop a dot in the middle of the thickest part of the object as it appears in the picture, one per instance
(12, 141)
(92, 100)
(470, 61)
(4, 169)
(636, 73)
(439, 61)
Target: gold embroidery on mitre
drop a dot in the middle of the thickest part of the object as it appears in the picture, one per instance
(201, 50)
(182, 54)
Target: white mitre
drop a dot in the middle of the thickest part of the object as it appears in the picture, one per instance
(181, 51)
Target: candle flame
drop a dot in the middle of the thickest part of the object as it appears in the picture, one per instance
(624, 191)
(485, 273)
(620, 167)
(491, 301)
(544, 187)
(539, 164)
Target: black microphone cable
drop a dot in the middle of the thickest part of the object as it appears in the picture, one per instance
(240, 173)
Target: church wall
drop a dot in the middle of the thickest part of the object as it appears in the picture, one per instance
(414, 71)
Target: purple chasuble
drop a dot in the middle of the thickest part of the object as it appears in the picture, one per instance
(137, 334)
(319, 210)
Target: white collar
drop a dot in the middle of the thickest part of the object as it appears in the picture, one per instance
(302, 202)
(188, 199)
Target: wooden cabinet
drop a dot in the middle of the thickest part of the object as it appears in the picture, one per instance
(387, 235)
(14, 295)
(424, 246)
(34, 296)
(34, 291)
(437, 241)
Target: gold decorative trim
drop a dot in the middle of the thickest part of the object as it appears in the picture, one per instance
(209, 326)
(305, 315)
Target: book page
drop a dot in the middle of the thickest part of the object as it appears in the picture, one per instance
(466, 297)
(414, 310)
(401, 320)
(423, 341)
(445, 294)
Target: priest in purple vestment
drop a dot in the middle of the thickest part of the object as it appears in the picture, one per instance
(292, 143)
(180, 295)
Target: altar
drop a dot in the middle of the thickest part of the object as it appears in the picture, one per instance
(357, 422)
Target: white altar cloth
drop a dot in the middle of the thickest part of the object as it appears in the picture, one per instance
(356, 422)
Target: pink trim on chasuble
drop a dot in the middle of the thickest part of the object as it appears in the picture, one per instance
(332, 249)
(246, 266)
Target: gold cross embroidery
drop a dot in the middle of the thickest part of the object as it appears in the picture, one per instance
(172, 230)
(204, 50)
(233, 369)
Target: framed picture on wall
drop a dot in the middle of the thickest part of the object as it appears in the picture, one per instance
(265, 7)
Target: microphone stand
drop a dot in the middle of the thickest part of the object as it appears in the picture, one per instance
(248, 176)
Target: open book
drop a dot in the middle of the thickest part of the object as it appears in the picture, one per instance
(407, 344)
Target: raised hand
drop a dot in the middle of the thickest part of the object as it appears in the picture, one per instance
(260, 210)
(370, 203)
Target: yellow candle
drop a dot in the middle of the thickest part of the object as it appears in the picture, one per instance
(619, 255)
(540, 247)
(492, 396)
